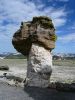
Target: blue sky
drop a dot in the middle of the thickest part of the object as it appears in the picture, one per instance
(62, 12)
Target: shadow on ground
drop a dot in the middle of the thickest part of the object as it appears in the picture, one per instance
(48, 94)
(8, 92)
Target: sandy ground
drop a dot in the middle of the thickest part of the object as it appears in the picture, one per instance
(18, 68)
(63, 74)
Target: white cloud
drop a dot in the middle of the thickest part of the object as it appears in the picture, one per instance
(58, 0)
(67, 38)
(62, 0)
(15, 11)
(73, 26)
(59, 17)
(59, 22)
(58, 13)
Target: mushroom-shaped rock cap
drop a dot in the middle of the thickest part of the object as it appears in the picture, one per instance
(39, 31)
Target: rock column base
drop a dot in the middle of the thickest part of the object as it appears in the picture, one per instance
(39, 66)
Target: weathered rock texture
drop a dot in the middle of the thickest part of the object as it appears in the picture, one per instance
(39, 66)
(36, 39)
(40, 31)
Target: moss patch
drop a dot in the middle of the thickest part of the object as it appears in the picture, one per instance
(44, 21)
(53, 37)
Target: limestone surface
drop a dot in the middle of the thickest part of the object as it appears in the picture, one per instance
(39, 66)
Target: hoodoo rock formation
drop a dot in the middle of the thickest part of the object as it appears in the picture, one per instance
(36, 39)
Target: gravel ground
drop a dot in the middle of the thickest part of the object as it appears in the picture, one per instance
(32, 93)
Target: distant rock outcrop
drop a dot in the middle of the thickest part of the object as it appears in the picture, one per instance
(36, 39)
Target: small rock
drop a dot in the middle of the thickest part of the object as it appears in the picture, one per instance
(5, 67)
(4, 74)
(65, 87)
(18, 79)
(15, 78)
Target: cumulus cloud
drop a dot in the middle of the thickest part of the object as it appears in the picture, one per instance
(73, 26)
(63, 0)
(59, 0)
(67, 38)
(59, 17)
(15, 11)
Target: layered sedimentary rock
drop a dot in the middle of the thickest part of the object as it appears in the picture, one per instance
(36, 39)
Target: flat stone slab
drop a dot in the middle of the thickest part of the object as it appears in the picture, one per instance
(8, 92)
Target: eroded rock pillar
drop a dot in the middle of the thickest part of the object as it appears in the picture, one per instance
(39, 66)
(36, 39)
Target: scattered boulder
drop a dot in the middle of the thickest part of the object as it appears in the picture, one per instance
(4, 74)
(4, 67)
(60, 86)
(15, 78)
(18, 79)
(65, 87)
